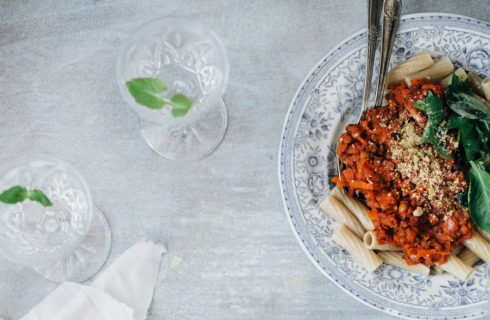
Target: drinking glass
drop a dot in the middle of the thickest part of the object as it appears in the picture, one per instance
(69, 240)
(191, 60)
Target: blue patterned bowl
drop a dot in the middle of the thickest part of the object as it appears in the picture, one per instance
(329, 99)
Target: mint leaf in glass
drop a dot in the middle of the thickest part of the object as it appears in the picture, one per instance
(39, 196)
(14, 195)
(151, 85)
(145, 90)
(20, 194)
(180, 105)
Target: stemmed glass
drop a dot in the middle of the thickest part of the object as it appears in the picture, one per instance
(191, 60)
(68, 240)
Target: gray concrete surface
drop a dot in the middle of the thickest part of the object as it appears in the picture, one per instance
(232, 254)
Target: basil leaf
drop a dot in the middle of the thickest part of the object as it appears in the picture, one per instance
(483, 129)
(14, 195)
(456, 85)
(432, 107)
(479, 196)
(180, 105)
(466, 87)
(39, 196)
(468, 106)
(143, 91)
(468, 135)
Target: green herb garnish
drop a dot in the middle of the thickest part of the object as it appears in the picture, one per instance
(467, 134)
(479, 196)
(145, 90)
(39, 196)
(471, 118)
(434, 131)
(468, 106)
(20, 194)
(14, 195)
(456, 85)
(460, 99)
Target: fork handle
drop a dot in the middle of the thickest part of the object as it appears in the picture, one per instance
(391, 18)
(374, 15)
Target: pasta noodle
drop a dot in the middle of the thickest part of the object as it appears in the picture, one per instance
(468, 257)
(417, 62)
(335, 209)
(436, 72)
(371, 242)
(475, 82)
(456, 251)
(484, 234)
(485, 85)
(479, 246)
(456, 267)
(396, 259)
(460, 73)
(348, 240)
(358, 209)
(437, 270)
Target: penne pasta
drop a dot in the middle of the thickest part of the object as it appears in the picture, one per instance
(437, 270)
(475, 81)
(456, 267)
(350, 242)
(460, 73)
(484, 234)
(370, 240)
(436, 72)
(456, 251)
(359, 210)
(479, 246)
(485, 85)
(468, 257)
(335, 209)
(396, 259)
(416, 63)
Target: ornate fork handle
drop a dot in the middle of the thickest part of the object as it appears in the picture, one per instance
(391, 18)
(374, 13)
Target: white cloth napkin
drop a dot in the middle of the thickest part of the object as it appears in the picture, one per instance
(123, 291)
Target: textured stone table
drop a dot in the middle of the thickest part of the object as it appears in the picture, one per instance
(232, 254)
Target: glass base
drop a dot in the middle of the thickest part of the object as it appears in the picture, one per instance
(83, 263)
(193, 141)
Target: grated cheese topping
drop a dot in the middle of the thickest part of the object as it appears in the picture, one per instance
(421, 169)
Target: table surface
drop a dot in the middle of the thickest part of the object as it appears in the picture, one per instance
(231, 252)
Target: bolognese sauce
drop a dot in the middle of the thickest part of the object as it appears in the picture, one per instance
(412, 191)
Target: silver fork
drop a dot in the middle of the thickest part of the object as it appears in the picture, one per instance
(391, 18)
(374, 13)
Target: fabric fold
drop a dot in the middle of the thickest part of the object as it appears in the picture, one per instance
(123, 291)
